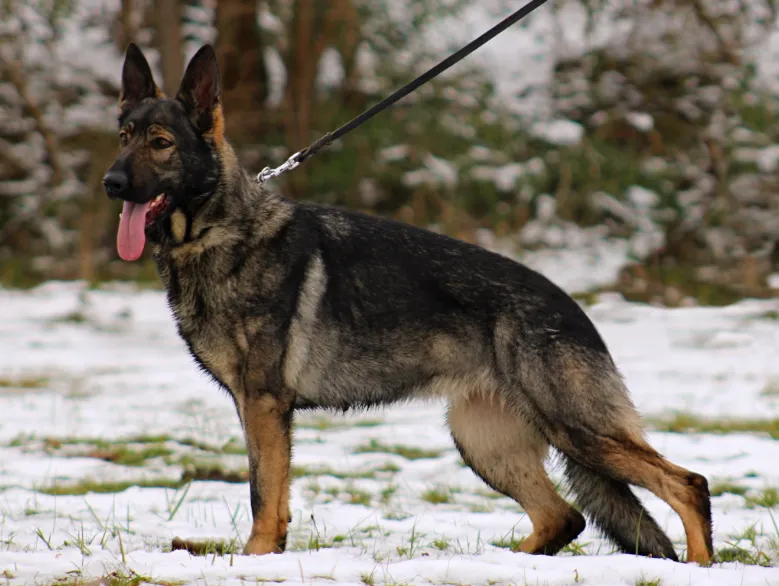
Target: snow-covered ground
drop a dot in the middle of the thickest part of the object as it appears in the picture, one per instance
(379, 497)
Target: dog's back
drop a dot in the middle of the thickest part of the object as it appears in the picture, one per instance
(393, 297)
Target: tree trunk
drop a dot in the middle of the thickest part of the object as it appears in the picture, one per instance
(124, 26)
(168, 37)
(315, 26)
(239, 50)
(301, 65)
(96, 221)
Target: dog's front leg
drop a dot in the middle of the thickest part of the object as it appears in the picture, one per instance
(267, 421)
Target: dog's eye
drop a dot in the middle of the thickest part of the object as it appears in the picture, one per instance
(123, 138)
(161, 143)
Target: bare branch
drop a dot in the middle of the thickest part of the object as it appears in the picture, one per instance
(10, 158)
(727, 51)
(18, 79)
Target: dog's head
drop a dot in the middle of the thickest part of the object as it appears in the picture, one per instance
(170, 148)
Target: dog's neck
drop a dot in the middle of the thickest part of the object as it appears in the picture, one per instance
(238, 209)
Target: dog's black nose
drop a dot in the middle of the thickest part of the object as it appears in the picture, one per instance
(115, 182)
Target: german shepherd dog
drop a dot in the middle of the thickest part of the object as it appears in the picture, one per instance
(292, 306)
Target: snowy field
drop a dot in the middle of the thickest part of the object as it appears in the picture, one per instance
(106, 421)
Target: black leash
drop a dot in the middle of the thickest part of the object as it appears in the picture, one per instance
(316, 146)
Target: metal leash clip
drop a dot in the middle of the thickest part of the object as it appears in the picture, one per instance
(288, 165)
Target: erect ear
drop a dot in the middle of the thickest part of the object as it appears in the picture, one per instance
(200, 92)
(137, 79)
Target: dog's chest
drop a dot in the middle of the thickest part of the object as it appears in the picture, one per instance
(207, 322)
(220, 355)
(232, 323)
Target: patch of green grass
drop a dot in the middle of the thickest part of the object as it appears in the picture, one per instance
(390, 467)
(316, 542)
(303, 471)
(587, 298)
(358, 497)
(231, 447)
(352, 495)
(115, 579)
(768, 498)
(20, 440)
(24, 382)
(575, 548)
(750, 554)
(207, 547)
(138, 451)
(414, 542)
(42, 536)
(720, 488)
(648, 582)
(314, 487)
(76, 316)
(683, 278)
(437, 496)
(126, 456)
(387, 493)
(370, 530)
(742, 555)
(686, 423)
(81, 541)
(367, 423)
(407, 452)
(235, 448)
(316, 539)
(214, 473)
(86, 486)
(509, 541)
(772, 314)
(441, 543)
(326, 423)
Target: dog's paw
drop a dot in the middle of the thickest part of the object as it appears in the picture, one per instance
(261, 545)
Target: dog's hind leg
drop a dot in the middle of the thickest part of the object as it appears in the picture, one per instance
(633, 461)
(592, 421)
(508, 454)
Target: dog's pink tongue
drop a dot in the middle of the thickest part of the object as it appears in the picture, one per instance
(131, 237)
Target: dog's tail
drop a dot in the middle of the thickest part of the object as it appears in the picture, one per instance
(617, 512)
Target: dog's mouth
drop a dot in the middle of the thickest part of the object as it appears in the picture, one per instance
(134, 219)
